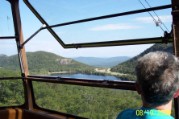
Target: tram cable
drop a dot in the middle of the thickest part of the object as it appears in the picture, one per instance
(160, 21)
(155, 21)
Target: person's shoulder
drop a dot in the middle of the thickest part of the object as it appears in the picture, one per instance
(126, 114)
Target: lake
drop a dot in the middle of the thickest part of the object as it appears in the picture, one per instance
(87, 76)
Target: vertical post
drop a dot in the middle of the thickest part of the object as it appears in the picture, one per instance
(175, 13)
(22, 54)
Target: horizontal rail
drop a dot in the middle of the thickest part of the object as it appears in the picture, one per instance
(10, 78)
(112, 15)
(120, 42)
(125, 85)
(8, 37)
(99, 44)
(22, 45)
(44, 22)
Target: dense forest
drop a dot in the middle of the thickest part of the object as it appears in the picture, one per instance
(90, 102)
(128, 67)
(11, 91)
(45, 63)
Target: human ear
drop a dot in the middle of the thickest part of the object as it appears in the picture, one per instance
(176, 94)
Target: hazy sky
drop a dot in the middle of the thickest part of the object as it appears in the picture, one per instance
(59, 11)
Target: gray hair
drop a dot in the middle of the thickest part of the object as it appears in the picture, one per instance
(158, 75)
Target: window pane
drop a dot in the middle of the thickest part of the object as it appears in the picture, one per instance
(143, 25)
(6, 20)
(63, 11)
(11, 91)
(136, 26)
(90, 102)
(106, 63)
(9, 58)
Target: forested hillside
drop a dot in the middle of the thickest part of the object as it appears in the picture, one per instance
(44, 62)
(90, 102)
(11, 91)
(128, 67)
(9, 62)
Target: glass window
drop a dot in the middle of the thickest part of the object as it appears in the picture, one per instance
(143, 25)
(8, 57)
(46, 57)
(6, 25)
(103, 63)
(90, 102)
(11, 91)
(65, 11)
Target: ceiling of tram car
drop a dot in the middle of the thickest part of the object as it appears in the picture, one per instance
(136, 26)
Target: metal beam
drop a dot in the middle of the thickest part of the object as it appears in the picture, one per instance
(8, 37)
(10, 78)
(111, 16)
(21, 53)
(44, 22)
(175, 13)
(121, 42)
(22, 45)
(96, 44)
(125, 85)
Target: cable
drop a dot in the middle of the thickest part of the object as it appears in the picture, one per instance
(155, 21)
(159, 20)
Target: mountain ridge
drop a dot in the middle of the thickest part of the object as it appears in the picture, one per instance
(101, 62)
(128, 67)
(43, 62)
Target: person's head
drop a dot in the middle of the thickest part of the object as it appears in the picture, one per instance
(158, 77)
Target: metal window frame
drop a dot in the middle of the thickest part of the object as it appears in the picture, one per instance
(99, 44)
(27, 79)
(7, 37)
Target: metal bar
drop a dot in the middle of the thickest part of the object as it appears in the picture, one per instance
(11, 107)
(44, 22)
(120, 42)
(102, 44)
(111, 16)
(175, 13)
(125, 85)
(60, 115)
(19, 34)
(22, 45)
(10, 78)
(21, 53)
(8, 37)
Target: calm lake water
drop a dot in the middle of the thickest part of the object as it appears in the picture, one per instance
(87, 76)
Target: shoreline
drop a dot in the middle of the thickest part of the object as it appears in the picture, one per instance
(97, 71)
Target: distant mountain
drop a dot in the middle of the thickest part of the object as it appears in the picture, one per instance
(44, 62)
(101, 62)
(9, 62)
(128, 67)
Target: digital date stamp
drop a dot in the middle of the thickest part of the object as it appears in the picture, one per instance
(141, 112)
